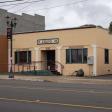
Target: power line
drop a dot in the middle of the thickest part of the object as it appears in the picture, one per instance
(11, 1)
(33, 2)
(26, 2)
(72, 3)
(19, 3)
(27, 6)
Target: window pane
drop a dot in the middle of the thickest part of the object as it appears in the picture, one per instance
(74, 57)
(85, 54)
(68, 55)
(16, 57)
(29, 56)
(23, 57)
(79, 56)
(106, 56)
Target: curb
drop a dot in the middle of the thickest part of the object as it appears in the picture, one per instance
(39, 80)
(64, 80)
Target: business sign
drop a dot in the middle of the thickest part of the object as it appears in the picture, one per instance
(48, 41)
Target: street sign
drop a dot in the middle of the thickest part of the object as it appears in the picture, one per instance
(9, 33)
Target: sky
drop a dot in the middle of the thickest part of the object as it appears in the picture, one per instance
(66, 13)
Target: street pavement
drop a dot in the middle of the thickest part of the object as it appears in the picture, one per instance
(43, 96)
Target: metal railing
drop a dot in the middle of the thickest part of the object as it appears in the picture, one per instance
(38, 65)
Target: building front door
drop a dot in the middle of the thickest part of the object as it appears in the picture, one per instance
(50, 56)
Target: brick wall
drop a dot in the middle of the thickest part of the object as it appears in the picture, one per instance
(3, 54)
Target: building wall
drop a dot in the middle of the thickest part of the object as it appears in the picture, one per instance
(91, 38)
(66, 38)
(103, 41)
(103, 68)
(69, 69)
(25, 22)
(3, 54)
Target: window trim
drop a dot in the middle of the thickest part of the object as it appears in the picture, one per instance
(27, 57)
(70, 56)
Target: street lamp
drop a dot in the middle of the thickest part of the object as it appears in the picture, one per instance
(11, 24)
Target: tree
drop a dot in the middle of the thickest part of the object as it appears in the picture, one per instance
(110, 28)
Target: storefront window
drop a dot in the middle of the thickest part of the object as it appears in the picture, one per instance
(22, 57)
(76, 55)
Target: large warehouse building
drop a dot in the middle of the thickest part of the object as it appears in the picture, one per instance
(64, 50)
(25, 23)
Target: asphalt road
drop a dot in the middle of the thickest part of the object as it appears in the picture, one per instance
(27, 96)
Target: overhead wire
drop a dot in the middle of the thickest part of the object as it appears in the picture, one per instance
(49, 7)
(35, 2)
(32, 2)
(27, 6)
(67, 4)
(12, 4)
(12, 7)
(11, 1)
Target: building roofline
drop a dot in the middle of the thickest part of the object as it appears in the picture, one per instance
(51, 30)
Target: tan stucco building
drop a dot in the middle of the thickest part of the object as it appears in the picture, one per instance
(65, 50)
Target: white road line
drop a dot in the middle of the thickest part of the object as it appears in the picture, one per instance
(56, 103)
(60, 90)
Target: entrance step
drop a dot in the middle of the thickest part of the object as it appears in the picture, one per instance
(38, 73)
(55, 72)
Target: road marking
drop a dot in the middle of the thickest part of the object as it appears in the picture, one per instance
(61, 90)
(18, 100)
(60, 104)
(75, 105)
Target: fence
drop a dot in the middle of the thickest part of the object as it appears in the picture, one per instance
(38, 65)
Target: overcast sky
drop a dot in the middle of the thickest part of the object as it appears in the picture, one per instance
(68, 13)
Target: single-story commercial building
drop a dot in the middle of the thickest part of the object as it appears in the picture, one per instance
(88, 47)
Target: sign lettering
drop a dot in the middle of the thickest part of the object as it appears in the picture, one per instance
(48, 41)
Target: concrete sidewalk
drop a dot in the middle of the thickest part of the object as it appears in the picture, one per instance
(60, 79)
